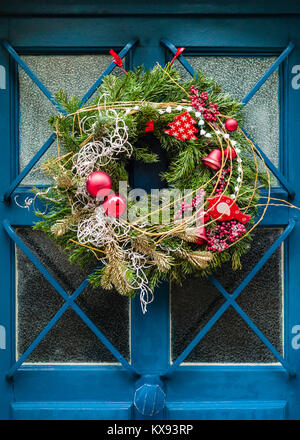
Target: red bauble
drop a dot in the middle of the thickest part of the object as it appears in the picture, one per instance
(230, 152)
(231, 124)
(114, 205)
(99, 184)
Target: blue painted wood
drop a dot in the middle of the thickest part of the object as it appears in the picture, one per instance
(292, 270)
(6, 303)
(153, 333)
(149, 396)
(230, 382)
(107, 71)
(14, 236)
(71, 411)
(109, 8)
(251, 324)
(235, 410)
(286, 185)
(172, 48)
(61, 383)
(45, 331)
(46, 92)
(29, 167)
(269, 72)
(34, 78)
(259, 35)
(231, 299)
(150, 333)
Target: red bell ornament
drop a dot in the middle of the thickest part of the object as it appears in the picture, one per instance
(99, 184)
(201, 235)
(231, 124)
(213, 160)
(230, 152)
(114, 205)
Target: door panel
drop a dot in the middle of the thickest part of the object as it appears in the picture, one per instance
(260, 380)
(69, 341)
(74, 74)
(231, 340)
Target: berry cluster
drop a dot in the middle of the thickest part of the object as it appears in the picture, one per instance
(199, 198)
(225, 231)
(200, 102)
(222, 181)
(189, 206)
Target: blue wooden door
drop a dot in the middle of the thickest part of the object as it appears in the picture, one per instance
(222, 348)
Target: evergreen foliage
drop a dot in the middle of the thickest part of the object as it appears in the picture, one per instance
(174, 257)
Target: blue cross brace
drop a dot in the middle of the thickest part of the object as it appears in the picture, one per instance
(230, 299)
(34, 78)
(284, 182)
(56, 104)
(170, 46)
(69, 302)
(269, 72)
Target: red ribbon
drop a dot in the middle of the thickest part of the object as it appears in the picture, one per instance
(117, 60)
(149, 126)
(178, 52)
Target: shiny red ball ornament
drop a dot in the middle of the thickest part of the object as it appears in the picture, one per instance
(99, 184)
(213, 160)
(231, 124)
(230, 152)
(114, 205)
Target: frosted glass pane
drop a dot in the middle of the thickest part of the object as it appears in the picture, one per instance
(74, 74)
(231, 340)
(37, 301)
(237, 76)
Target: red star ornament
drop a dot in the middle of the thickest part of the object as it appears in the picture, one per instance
(182, 127)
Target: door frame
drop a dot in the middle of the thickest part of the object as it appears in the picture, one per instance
(28, 383)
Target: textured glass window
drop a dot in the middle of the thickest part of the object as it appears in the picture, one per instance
(231, 340)
(74, 74)
(237, 76)
(70, 340)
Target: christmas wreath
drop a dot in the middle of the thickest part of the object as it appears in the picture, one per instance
(205, 215)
